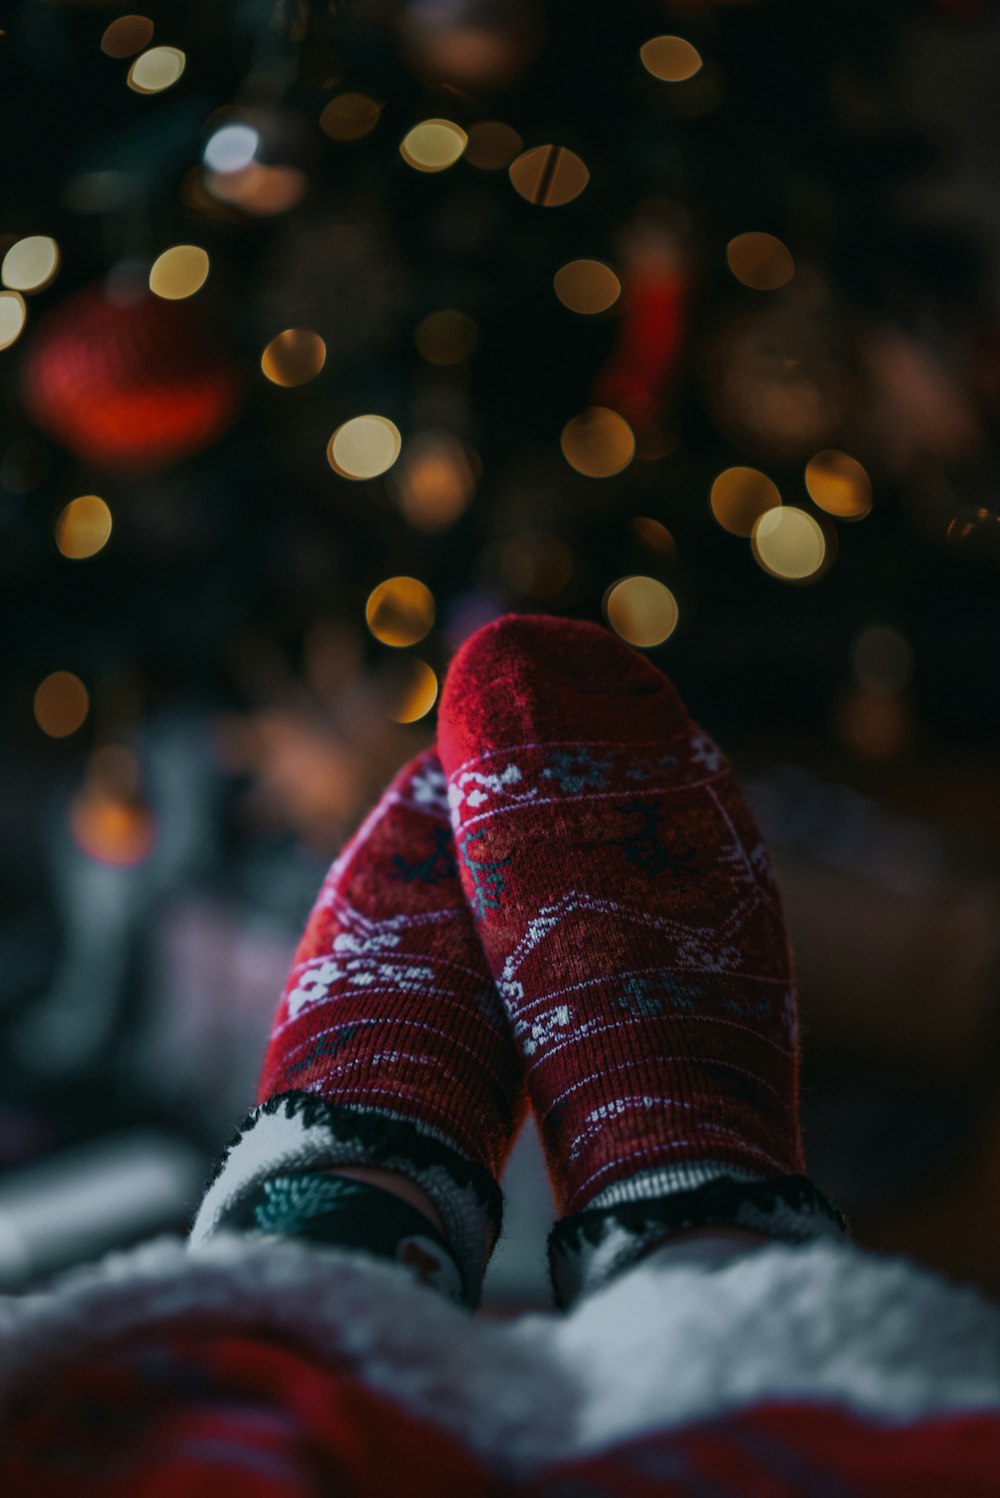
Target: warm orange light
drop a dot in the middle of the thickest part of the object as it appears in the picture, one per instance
(642, 611)
(839, 485)
(350, 117)
(587, 286)
(83, 527)
(670, 58)
(740, 496)
(446, 337)
(400, 611)
(293, 357)
(61, 704)
(598, 442)
(418, 695)
(549, 175)
(760, 261)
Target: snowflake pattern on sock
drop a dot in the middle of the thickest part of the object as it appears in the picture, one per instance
(635, 932)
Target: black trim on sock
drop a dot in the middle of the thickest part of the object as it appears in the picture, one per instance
(781, 1208)
(380, 1139)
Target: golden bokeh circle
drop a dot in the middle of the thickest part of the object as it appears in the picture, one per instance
(641, 611)
(433, 145)
(30, 264)
(549, 175)
(435, 481)
(83, 527)
(839, 484)
(492, 145)
(789, 543)
(670, 58)
(400, 611)
(760, 261)
(61, 704)
(157, 69)
(538, 565)
(127, 36)
(13, 315)
(293, 357)
(419, 693)
(653, 534)
(179, 272)
(739, 496)
(350, 116)
(598, 442)
(587, 286)
(446, 337)
(364, 447)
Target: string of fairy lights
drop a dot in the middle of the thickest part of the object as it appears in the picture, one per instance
(434, 475)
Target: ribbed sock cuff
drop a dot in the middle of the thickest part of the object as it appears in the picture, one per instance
(295, 1132)
(591, 1248)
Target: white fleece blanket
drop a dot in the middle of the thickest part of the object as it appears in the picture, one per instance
(667, 1344)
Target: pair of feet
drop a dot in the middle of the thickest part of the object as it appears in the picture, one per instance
(571, 908)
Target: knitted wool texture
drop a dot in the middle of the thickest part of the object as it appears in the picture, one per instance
(626, 904)
(389, 1020)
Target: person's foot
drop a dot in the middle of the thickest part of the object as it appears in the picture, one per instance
(391, 1052)
(625, 901)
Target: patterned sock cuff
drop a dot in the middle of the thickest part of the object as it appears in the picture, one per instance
(295, 1132)
(349, 1214)
(590, 1249)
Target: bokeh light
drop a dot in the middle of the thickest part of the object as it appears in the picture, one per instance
(108, 819)
(350, 116)
(549, 175)
(400, 611)
(13, 315)
(61, 704)
(587, 286)
(179, 272)
(874, 725)
(83, 527)
(760, 261)
(433, 145)
(156, 70)
(537, 565)
(642, 611)
(127, 36)
(788, 543)
(598, 442)
(740, 496)
(446, 337)
(30, 264)
(231, 148)
(364, 447)
(654, 534)
(419, 693)
(435, 481)
(293, 357)
(670, 58)
(882, 659)
(492, 145)
(839, 484)
(261, 190)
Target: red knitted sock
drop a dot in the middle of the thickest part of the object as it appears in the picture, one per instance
(627, 907)
(390, 1046)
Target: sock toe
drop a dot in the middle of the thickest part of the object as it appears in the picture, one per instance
(556, 676)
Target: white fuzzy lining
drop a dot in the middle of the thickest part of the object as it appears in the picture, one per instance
(668, 1343)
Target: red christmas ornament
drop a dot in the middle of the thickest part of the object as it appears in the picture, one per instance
(644, 361)
(133, 385)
